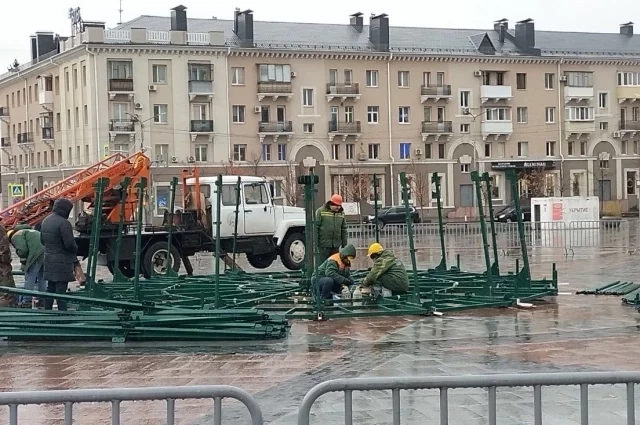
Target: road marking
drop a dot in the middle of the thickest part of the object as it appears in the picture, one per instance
(565, 293)
(564, 284)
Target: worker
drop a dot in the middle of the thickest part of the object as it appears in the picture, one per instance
(387, 272)
(6, 276)
(60, 251)
(330, 228)
(334, 272)
(30, 250)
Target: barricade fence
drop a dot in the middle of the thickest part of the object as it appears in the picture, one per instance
(489, 382)
(116, 396)
(601, 235)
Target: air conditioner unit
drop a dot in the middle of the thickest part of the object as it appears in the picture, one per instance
(418, 151)
(362, 157)
(138, 105)
(191, 160)
(477, 73)
(153, 87)
(293, 74)
(256, 109)
(174, 159)
(563, 78)
(617, 134)
(466, 111)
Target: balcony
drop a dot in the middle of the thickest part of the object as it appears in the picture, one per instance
(577, 93)
(496, 129)
(25, 138)
(275, 129)
(121, 86)
(47, 135)
(628, 94)
(343, 91)
(435, 92)
(122, 127)
(629, 127)
(344, 129)
(45, 97)
(274, 90)
(5, 143)
(495, 93)
(4, 112)
(579, 128)
(200, 88)
(201, 128)
(437, 130)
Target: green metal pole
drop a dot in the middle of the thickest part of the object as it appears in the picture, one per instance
(475, 177)
(412, 249)
(218, 302)
(117, 273)
(435, 181)
(375, 207)
(235, 222)
(96, 225)
(495, 267)
(142, 186)
(526, 271)
(172, 205)
(315, 259)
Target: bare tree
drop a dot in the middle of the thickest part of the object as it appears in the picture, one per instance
(287, 177)
(254, 164)
(536, 183)
(231, 168)
(419, 187)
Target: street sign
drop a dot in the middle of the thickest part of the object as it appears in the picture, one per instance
(16, 190)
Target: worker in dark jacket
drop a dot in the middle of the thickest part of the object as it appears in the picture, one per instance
(30, 250)
(6, 278)
(335, 273)
(60, 251)
(330, 228)
(387, 271)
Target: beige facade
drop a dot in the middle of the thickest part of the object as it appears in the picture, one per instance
(192, 98)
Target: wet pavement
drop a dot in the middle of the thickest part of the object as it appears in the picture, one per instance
(570, 333)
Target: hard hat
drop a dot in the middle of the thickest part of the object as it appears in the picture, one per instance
(375, 248)
(336, 199)
(10, 233)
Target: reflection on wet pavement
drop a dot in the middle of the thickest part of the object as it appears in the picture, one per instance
(572, 333)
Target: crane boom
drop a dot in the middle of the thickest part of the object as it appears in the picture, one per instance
(80, 187)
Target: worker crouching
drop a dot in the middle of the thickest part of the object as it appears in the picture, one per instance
(334, 273)
(387, 272)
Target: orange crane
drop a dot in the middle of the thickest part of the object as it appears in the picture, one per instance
(81, 187)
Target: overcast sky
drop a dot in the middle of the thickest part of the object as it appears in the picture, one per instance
(25, 17)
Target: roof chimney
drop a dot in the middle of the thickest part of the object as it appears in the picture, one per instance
(243, 26)
(379, 32)
(499, 23)
(179, 18)
(43, 43)
(626, 29)
(526, 35)
(357, 21)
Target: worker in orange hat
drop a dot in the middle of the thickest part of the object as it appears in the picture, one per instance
(330, 227)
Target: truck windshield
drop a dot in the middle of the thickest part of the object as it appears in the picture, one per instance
(204, 188)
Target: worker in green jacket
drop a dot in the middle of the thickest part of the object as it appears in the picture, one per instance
(30, 250)
(334, 272)
(387, 271)
(6, 276)
(330, 228)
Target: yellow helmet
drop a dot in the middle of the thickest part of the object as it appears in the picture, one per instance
(375, 248)
(10, 233)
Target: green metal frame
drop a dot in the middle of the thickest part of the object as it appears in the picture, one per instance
(172, 206)
(436, 187)
(124, 191)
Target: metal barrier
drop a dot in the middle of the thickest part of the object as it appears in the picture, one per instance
(490, 382)
(118, 395)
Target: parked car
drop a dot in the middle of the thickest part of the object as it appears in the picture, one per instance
(508, 214)
(393, 215)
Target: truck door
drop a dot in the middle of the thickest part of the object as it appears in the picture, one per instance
(259, 215)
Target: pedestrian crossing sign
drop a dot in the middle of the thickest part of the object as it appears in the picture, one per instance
(16, 190)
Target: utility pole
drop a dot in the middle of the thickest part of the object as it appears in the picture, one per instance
(120, 12)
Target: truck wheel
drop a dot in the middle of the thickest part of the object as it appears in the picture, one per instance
(293, 251)
(125, 268)
(261, 261)
(155, 259)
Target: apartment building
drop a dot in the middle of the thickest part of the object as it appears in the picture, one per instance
(360, 99)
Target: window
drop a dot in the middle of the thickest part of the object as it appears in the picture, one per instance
(498, 114)
(603, 100)
(521, 81)
(550, 114)
(629, 78)
(75, 77)
(405, 150)
(348, 114)
(266, 152)
(201, 153)
(307, 127)
(623, 147)
(239, 152)
(350, 150)
(403, 78)
(162, 153)
(427, 150)
(160, 114)
(274, 73)
(238, 115)
(373, 114)
(200, 72)
(374, 150)
(68, 118)
(523, 148)
(307, 97)
(85, 115)
(465, 168)
(549, 80)
(84, 75)
(570, 148)
(580, 113)
(464, 99)
(487, 150)
(31, 94)
(551, 148)
(583, 148)
(441, 150)
(635, 113)
(631, 182)
(58, 122)
(521, 114)
(282, 152)
(76, 117)
(604, 125)
(403, 115)
(162, 199)
(66, 80)
(335, 152)
(465, 128)
(237, 76)
(348, 77)
(57, 85)
(159, 74)
(579, 79)
(372, 78)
